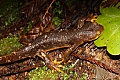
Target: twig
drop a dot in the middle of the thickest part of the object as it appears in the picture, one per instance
(102, 65)
(48, 8)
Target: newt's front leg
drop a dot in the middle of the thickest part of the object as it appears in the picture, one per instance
(70, 50)
(66, 55)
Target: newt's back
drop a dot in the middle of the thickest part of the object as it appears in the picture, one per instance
(88, 32)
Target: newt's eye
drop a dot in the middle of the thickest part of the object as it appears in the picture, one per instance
(98, 33)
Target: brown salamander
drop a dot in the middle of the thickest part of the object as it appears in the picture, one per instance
(56, 39)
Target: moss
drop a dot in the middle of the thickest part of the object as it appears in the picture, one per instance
(57, 21)
(84, 76)
(42, 73)
(7, 45)
(68, 72)
(28, 28)
(9, 11)
(57, 13)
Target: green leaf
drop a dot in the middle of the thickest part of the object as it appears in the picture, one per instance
(110, 19)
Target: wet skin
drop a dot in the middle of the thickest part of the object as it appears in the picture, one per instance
(54, 40)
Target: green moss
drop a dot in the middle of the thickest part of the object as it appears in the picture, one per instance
(9, 12)
(84, 76)
(28, 28)
(9, 44)
(42, 73)
(58, 8)
(67, 74)
(57, 21)
(57, 13)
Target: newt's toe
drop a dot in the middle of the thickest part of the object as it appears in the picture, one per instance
(57, 65)
(58, 62)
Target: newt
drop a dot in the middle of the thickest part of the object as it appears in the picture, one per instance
(71, 39)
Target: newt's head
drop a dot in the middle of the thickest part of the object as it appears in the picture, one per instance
(98, 29)
(93, 30)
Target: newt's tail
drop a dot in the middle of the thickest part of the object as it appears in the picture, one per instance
(16, 56)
